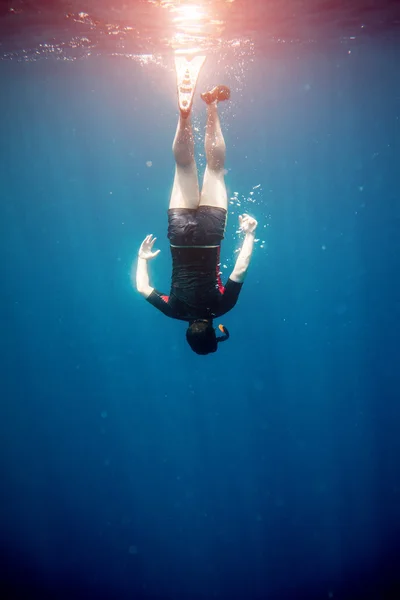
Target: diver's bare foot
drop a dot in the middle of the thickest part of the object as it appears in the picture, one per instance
(217, 94)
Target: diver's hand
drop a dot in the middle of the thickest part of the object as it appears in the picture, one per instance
(146, 248)
(247, 224)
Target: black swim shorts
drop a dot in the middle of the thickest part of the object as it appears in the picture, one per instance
(203, 226)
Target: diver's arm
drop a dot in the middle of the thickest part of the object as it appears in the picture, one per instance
(243, 260)
(248, 225)
(142, 272)
(142, 278)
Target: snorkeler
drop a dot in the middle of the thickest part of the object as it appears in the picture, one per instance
(196, 227)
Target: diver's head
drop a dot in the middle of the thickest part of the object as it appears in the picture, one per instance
(202, 338)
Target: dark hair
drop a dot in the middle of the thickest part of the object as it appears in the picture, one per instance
(201, 337)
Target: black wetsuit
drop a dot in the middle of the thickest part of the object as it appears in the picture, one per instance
(196, 288)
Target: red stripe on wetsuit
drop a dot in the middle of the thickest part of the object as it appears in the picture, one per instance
(221, 288)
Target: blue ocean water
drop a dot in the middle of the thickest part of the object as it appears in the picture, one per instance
(132, 468)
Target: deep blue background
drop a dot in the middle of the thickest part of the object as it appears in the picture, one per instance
(132, 468)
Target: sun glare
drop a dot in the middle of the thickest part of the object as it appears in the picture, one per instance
(188, 14)
(195, 25)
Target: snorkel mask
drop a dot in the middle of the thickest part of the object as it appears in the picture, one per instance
(225, 336)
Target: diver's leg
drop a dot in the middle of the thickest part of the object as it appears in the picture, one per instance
(185, 190)
(213, 192)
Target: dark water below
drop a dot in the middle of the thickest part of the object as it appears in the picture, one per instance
(130, 467)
